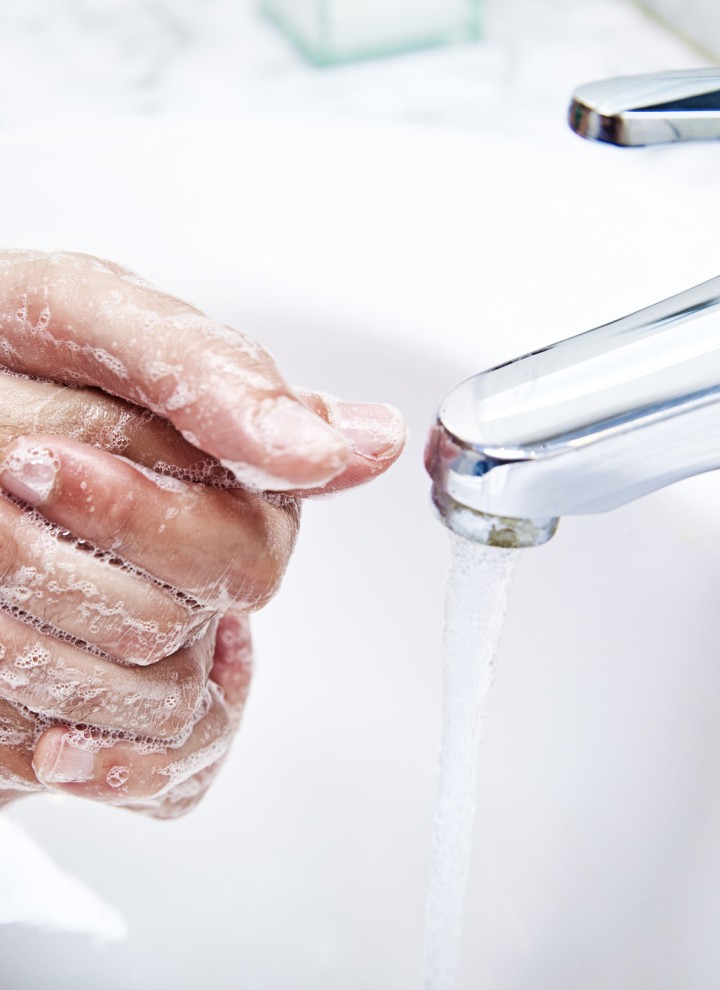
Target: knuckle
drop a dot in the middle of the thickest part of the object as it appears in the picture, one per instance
(283, 532)
(70, 257)
(182, 695)
(181, 776)
(256, 578)
(120, 517)
(173, 631)
(73, 265)
(182, 798)
(144, 649)
(151, 635)
(140, 624)
(192, 692)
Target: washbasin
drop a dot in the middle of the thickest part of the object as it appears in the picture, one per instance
(386, 263)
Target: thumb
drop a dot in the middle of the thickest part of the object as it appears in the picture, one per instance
(376, 433)
(82, 321)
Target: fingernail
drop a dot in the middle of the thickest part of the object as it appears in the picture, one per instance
(293, 439)
(29, 472)
(66, 765)
(374, 430)
(287, 423)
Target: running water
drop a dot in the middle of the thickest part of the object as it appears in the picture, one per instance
(475, 604)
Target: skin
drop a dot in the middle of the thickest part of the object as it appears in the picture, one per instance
(152, 468)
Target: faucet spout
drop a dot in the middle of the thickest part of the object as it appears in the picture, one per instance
(582, 426)
(658, 108)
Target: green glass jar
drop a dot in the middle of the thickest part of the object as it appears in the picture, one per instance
(329, 32)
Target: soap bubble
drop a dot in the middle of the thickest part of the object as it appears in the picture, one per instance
(117, 776)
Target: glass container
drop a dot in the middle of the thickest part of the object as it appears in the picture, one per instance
(329, 32)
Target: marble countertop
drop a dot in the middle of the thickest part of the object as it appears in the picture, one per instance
(76, 62)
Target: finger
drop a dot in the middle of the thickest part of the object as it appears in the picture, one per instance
(30, 406)
(63, 682)
(91, 325)
(78, 591)
(231, 671)
(127, 772)
(27, 406)
(181, 798)
(232, 663)
(223, 549)
(17, 738)
(376, 433)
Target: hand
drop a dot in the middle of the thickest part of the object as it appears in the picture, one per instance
(159, 776)
(154, 558)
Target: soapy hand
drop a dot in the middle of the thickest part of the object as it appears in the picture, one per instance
(130, 555)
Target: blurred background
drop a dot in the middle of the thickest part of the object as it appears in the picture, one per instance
(65, 61)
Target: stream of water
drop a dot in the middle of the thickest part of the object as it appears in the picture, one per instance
(475, 605)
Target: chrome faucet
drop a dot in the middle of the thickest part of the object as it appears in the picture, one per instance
(659, 108)
(600, 419)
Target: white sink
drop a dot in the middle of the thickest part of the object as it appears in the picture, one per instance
(387, 263)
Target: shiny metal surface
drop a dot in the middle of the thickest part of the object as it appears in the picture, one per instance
(582, 426)
(658, 108)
